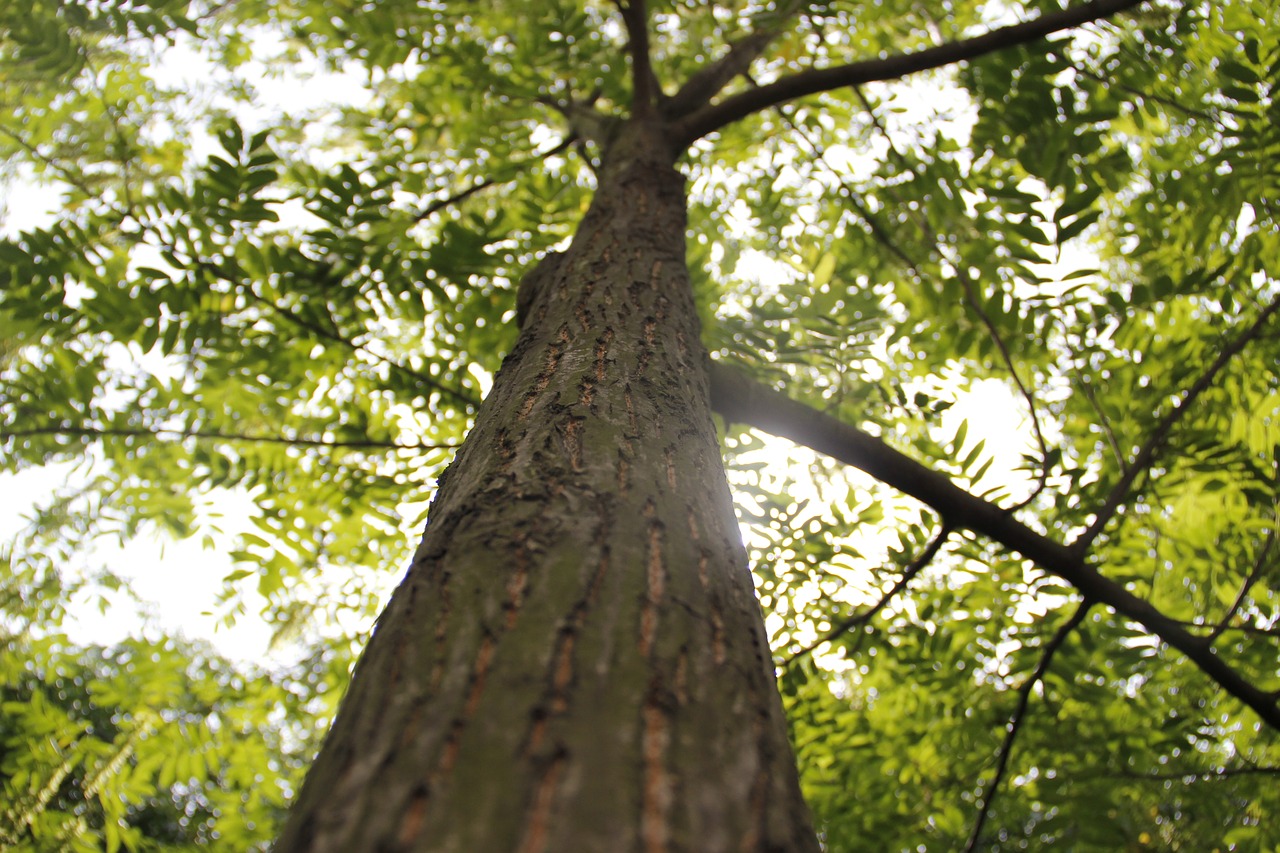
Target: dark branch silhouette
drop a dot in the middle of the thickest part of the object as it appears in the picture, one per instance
(335, 337)
(1260, 566)
(919, 564)
(64, 174)
(873, 223)
(1146, 455)
(736, 107)
(1019, 714)
(971, 299)
(645, 88)
(215, 435)
(462, 195)
(742, 400)
(883, 237)
(1217, 774)
(708, 81)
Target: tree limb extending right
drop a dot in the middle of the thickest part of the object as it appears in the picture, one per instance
(743, 400)
(736, 107)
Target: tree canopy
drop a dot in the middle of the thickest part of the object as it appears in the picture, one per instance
(1052, 617)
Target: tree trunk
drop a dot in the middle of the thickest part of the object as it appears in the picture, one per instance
(576, 660)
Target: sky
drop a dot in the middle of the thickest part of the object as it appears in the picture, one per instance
(175, 582)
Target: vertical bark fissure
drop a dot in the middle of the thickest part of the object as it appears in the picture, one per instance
(577, 655)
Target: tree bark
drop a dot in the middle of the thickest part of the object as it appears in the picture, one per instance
(576, 660)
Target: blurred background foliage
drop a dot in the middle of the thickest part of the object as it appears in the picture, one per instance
(265, 253)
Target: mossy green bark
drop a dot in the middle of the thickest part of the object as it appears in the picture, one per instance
(576, 660)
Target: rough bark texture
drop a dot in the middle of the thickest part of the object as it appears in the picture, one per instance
(576, 660)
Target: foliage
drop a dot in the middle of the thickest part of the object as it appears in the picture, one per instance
(302, 301)
(149, 746)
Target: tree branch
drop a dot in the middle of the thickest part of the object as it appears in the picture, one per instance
(878, 231)
(966, 281)
(708, 81)
(1103, 421)
(1019, 714)
(65, 175)
(888, 139)
(644, 83)
(459, 396)
(971, 298)
(1202, 775)
(1146, 455)
(919, 564)
(214, 435)
(1250, 630)
(742, 400)
(117, 118)
(711, 118)
(462, 195)
(1255, 575)
(711, 79)
(334, 336)
(1111, 83)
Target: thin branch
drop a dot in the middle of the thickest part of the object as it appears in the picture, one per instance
(64, 173)
(926, 227)
(1103, 420)
(117, 118)
(708, 81)
(1147, 454)
(742, 400)
(736, 107)
(1019, 714)
(462, 195)
(878, 231)
(1255, 574)
(711, 79)
(214, 435)
(644, 83)
(459, 396)
(883, 237)
(884, 133)
(586, 123)
(1141, 95)
(863, 617)
(1203, 775)
(967, 283)
(1251, 630)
